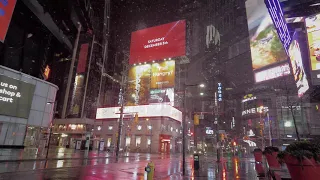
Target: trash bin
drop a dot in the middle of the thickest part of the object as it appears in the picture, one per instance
(196, 161)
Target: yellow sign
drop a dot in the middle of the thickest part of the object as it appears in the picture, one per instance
(163, 75)
(196, 119)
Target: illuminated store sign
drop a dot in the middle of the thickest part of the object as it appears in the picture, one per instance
(276, 13)
(251, 143)
(272, 73)
(6, 11)
(255, 110)
(219, 92)
(248, 97)
(209, 130)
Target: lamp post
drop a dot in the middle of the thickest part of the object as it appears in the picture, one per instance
(150, 129)
(184, 123)
(50, 131)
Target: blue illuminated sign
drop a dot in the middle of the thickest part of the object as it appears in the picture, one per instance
(276, 13)
(219, 92)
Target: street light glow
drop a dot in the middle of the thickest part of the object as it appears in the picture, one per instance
(201, 85)
(201, 94)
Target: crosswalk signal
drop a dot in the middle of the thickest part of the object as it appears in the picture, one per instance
(136, 118)
(196, 119)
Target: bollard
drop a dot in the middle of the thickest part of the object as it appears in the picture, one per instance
(150, 170)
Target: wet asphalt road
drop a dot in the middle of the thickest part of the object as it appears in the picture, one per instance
(127, 168)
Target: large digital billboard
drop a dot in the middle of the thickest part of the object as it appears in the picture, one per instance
(15, 97)
(138, 85)
(313, 30)
(6, 10)
(163, 74)
(296, 59)
(159, 42)
(162, 96)
(266, 48)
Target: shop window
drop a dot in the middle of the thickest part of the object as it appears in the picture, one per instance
(109, 142)
(138, 141)
(128, 139)
(110, 128)
(149, 127)
(139, 127)
(148, 140)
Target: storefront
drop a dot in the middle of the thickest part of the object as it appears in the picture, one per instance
(26, 109)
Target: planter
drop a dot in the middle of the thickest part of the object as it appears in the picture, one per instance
(308, 169)
(258, 156)
(272, 160)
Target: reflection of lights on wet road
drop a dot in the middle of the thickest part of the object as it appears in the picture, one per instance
(59, 163)
(224, 174)
(126, 159)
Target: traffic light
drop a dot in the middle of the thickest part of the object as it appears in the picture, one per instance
(196, 120)
(136, 118)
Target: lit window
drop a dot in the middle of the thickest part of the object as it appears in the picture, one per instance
(287, 124)
(149, 127)
(148, 141)
(171, 129)
(138, 141)
(73, 126)
(110, 127)
(176, 130)
(99, 128)
(139, 127)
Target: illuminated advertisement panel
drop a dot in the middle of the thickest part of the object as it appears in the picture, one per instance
(266, 48)
(138, 85)
(163, 74)
(296, 60)
(152, 110)
(159, 42)
(313, 30)
(6, 11)
(162, 96)
(276, 14)
(272, 73)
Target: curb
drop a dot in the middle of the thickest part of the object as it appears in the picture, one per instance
(52, 159)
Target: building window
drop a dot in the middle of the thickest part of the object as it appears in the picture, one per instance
(109, 142)
(110, 128)
(171, 129)
(176, 130)
(138, 141)
(128, 139)
(149, 127)
(99, 128)
(139, 127)
(149, 141)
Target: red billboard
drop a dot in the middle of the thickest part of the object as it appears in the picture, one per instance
(6, 10)
(159, 42)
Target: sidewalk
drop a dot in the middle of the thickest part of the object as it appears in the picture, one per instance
(56, 153)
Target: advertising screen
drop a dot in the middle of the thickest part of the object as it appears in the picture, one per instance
(15, 97)
(272, 73)
(313, 30)
(266, 48)
(159, 42)
(6, 10)
(138, 85)
(296, 60)
(162, 96)
(163, 74)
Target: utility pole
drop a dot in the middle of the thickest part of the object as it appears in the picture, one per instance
(184, 130)
(66, 95)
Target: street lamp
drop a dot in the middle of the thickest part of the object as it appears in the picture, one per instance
(50, 132)
(184, 123)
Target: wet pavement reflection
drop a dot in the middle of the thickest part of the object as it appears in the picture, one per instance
(166, 167)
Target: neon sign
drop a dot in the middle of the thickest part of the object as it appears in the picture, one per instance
(276, 13)
(220, 92)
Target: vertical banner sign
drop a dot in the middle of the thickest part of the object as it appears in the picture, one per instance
(138, 85)
(83, 55)
(276, 13)
(6, 10)
(219, 92)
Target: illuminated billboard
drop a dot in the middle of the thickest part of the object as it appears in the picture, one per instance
(266, 48)
(6, 10)
(163, 74)
(143, 111)
(138, 85)
(313, 30)
(298, 69)
(272, 73)
(277, 16)
(162, 96)
(159, 42)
